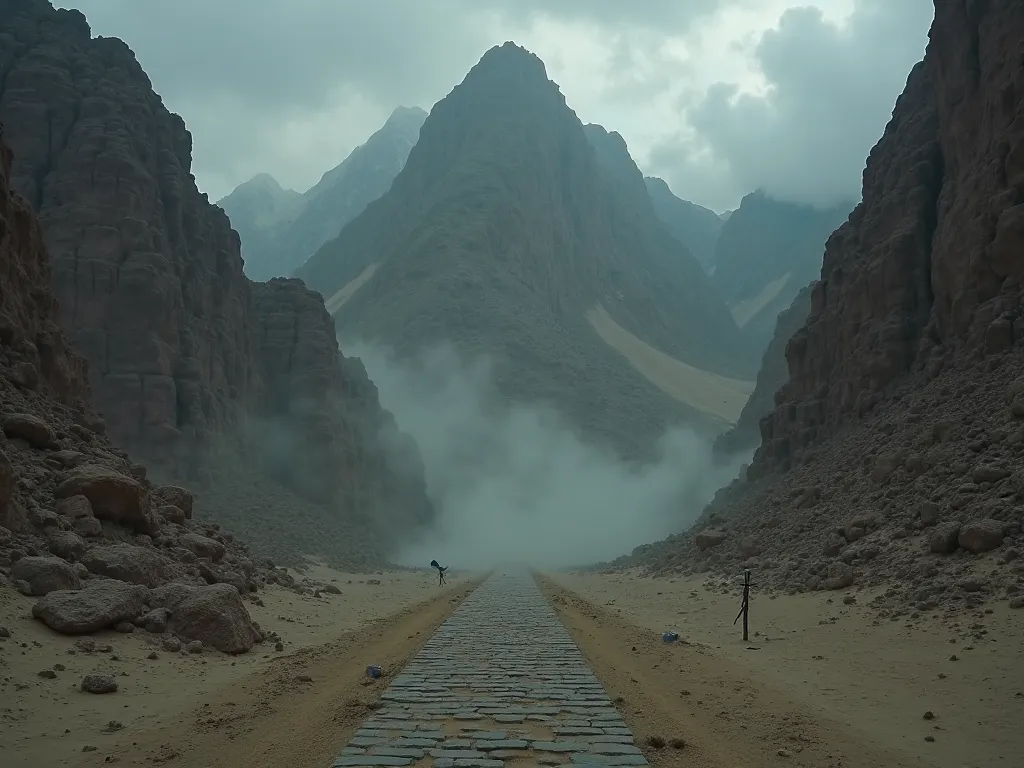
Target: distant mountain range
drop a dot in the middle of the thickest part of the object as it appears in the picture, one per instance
(508, 228)
(514, 232)
(281, 228)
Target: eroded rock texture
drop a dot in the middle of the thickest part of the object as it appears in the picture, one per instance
(893, 457)
(186, 355)
(926, 274)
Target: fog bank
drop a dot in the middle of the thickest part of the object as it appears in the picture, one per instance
(514, 483)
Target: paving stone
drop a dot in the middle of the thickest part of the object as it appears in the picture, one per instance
(502, 657)
(561, 746)
(502, 744)
(397, 752)
(456, 753)
(604, 760)
(613, 749)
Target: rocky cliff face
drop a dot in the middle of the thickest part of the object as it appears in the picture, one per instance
(280, 229)
(185, 353)
(82, 528)
(893, 454)
(501, 233)
(693, 225)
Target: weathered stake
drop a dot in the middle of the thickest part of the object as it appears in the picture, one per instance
(745, 607)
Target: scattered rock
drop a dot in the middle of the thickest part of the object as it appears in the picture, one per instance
(213, 614)
(944, 538)
(838, 576)
(136, 565)
(100, 604)
(31, 429)
(981, 536)
(709, 538)
(43, 575)
(113, 496)
(99, 684)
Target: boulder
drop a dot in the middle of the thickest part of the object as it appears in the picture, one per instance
(88, 527)
(202, 546)
(929, 513)
(135, 565)
(99, 684)
(155, 621)
(65, 544)
(709, 538)
(7, 483)
(31, 429)
(113, 496)
(943, 538)
(102, 603)
(43, 575)
(838, 576)
(175, 496)
(74, 507)
(214, 614)
(981, 536)
(172, 514)
(987, 473)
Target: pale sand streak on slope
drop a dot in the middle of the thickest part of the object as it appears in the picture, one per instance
(744, 311)
(337, 301)
(709, 393)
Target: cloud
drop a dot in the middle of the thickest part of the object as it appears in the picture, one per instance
(290, 87)
(830, 89)
(515, 484)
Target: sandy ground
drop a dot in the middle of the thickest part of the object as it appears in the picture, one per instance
(819, 684)
(213, 710)
(717, 396)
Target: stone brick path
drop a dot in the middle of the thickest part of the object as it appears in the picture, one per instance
(500, 683)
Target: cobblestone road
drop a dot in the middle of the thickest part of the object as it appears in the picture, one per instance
(500, 683)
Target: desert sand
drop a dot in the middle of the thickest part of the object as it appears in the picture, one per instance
(210, 709)
(820, 683)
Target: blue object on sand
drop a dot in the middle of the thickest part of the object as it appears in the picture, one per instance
(373, 671)
(669, 637)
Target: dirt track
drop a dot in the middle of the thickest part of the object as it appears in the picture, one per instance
(683, 691)
(271, 719)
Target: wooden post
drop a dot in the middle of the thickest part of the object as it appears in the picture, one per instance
(745, 606)
(746, 603)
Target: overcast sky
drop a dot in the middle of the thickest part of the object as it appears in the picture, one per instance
(719, 97)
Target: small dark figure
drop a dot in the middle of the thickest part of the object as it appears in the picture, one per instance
(440, 571)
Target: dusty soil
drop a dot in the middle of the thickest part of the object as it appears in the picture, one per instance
(212, 710)
(821, 683)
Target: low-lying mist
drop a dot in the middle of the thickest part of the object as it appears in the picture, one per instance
(514, 483)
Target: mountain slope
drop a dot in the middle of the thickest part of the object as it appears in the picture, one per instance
(693, 225)
(767, 251)
(499, 235)
(260, 205)
(276, 245)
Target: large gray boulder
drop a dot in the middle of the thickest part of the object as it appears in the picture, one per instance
(101, 604)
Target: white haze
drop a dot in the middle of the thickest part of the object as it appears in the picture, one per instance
(513, 483)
